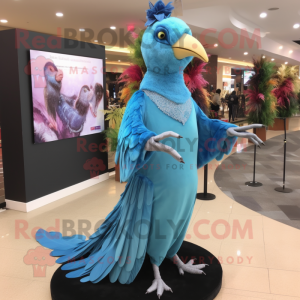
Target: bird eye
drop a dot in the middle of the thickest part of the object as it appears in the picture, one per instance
(161, 35)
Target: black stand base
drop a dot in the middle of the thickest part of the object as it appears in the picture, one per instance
(189, 286)
(253, 183)
(283, 190)
(207, 196)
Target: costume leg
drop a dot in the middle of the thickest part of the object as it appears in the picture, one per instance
(158, 284)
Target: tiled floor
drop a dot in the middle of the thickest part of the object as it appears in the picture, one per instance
(261, 262)
(234, 171)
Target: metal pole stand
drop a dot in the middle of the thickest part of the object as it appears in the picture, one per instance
(254, 183)
(283, 189)
(205, 195)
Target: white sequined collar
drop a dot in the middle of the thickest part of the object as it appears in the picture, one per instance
(178, 112)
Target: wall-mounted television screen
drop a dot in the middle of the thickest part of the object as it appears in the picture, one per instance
(67, 95)
(247, 75)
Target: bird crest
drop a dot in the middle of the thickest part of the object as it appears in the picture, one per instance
(158, 12)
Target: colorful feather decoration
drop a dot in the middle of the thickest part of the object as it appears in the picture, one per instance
(261, 102)
(286, 91)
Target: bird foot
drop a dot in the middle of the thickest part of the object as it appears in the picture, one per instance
(189, 267)
(159, 286)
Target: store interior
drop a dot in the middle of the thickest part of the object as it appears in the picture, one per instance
(61, 160)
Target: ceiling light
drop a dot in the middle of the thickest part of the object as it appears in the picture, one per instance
(286, 62)
(280, 47)
(296, 26)
(272, 59)
(81, 29)
(104, 42)
(216, 45)
(264, 57)
(59, 14)
(229, 57)
(263, 15)
(113, 27)
(96, 41)
(245, 53)
(105, 57)
(118, 60)
(291, 51)
(3, 21)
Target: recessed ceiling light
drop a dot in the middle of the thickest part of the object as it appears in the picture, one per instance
(118, 60)
(263, 15)
(245, 53)
(286, 62)
(3, 21)
(216, 45)
(96, 41)
(272, 59)
(81, 29)
(296, 26)
(264, 57)
(105, 57)
(59, 14)
(113, 27)
(104, 42)
(273, 8)
(291, 51)
(280, 47)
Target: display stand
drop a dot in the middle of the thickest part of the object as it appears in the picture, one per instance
(283, 189)
(205, 195)
(189, 286)
(254, 183)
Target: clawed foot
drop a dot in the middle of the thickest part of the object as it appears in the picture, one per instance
(189, 267)
(159, 286)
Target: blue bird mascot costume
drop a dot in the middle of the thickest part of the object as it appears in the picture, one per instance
(162, 177)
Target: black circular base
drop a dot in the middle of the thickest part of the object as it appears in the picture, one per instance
(253, 183)
(283, 190)
(189, 286)
(203, 196)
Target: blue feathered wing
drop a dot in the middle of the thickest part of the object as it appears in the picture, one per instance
(132, 138)
(117, 248)
(213, 141)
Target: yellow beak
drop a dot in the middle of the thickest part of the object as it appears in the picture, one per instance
(187, 45)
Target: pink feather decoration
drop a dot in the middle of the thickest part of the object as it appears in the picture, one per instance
(131, 74)
(193, 75)
(134, 35)
(284, 92)
(254, 100)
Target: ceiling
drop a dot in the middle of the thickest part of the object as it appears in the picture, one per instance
(224, 16)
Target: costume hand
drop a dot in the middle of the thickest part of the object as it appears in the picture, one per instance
(241, 132)
(153, 144)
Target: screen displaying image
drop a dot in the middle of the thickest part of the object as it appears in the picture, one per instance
(247, 75)
(67, 95)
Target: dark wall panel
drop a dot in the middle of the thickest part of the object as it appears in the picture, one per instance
(11, 117)
(52, 166)
(211, 74)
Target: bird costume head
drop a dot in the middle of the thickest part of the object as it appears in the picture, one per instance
(167, 48)
(168, 44)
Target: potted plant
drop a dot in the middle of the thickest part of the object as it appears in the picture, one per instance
(261, 102)
(114, 115)
(286, 93)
